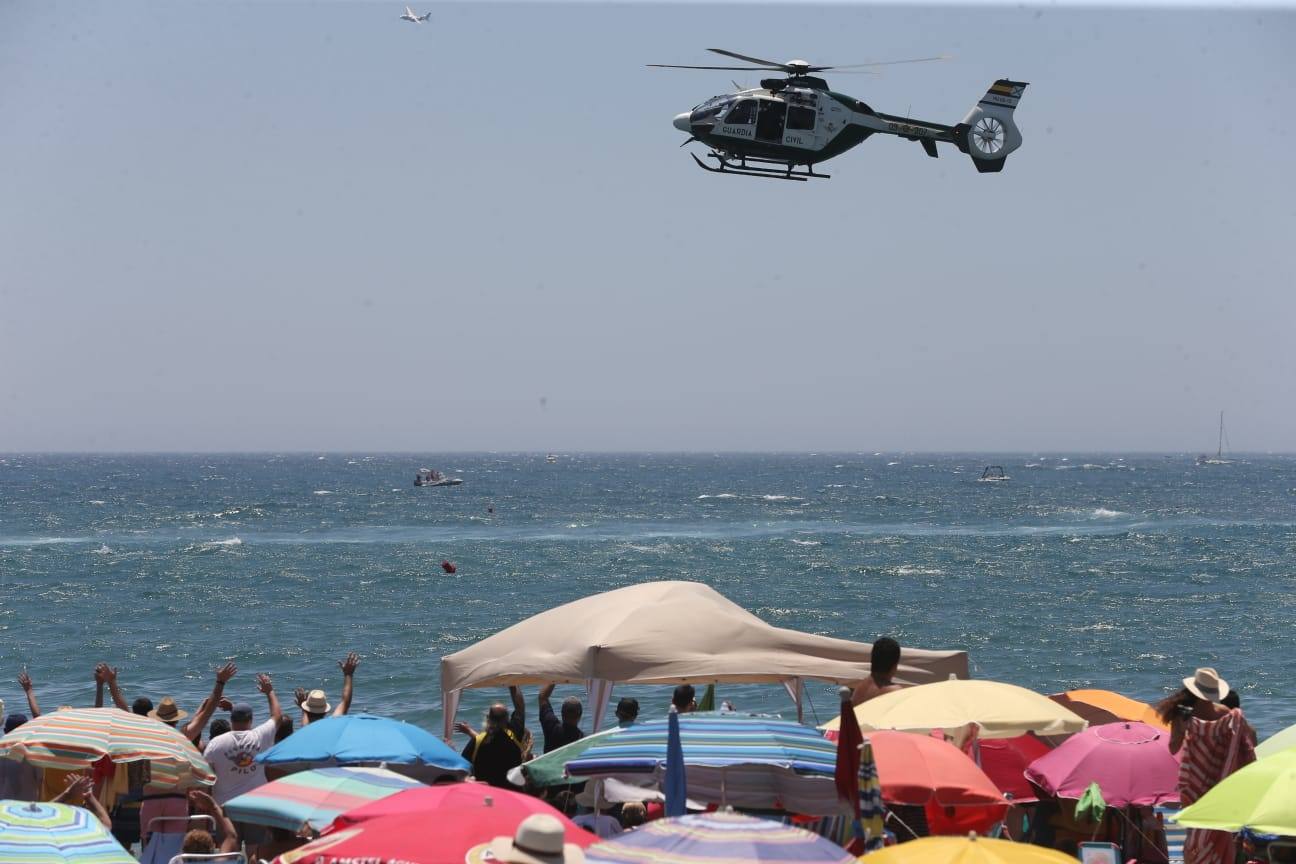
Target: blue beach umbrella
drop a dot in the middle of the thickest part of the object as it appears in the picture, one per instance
(363, 739)
(675, 784)
(36, 833)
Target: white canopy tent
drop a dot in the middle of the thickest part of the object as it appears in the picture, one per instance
(667, 633)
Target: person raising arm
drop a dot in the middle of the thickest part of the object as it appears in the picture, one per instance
(194, 728)
(79, 792)
(25, 682)
(205, 805)
(348, 667)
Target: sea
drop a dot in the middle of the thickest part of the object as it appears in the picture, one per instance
(1082, 570)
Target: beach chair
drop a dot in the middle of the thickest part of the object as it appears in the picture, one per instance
(1175, 834)
(164, 845)
(1099, 853)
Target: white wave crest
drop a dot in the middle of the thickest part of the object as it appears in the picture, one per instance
(321, 492)
(721, 495)
(102, 550)
(781, 498)
(1104, 513)
(906, 570)
(806, 542)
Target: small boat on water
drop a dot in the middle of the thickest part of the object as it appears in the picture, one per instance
(993, 474)
(432, 477)
(1218, 458)
(552, 458)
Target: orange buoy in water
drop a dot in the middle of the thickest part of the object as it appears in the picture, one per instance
(447, 567)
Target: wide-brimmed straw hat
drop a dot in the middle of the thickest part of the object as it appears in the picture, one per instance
(168, 712)
(316, 703)
(539, 840)
(1207, 684)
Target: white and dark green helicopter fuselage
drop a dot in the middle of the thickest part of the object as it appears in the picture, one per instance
(799, 121)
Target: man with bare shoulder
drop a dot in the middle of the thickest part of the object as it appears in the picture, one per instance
(885, 659)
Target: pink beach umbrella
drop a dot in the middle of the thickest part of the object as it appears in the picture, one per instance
(1130, 762)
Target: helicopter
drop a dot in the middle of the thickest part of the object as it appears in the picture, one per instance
(797, 121)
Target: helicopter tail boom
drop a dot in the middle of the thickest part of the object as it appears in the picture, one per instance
(988, 133)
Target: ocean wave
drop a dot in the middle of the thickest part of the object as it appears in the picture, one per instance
(721, 495)
(907, 570)
(322, 492)
(215, 545)
(806, 542)
(781, 498)
(1104, 513)
(102, 550)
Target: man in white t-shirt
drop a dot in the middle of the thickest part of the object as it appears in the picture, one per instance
(233, 757)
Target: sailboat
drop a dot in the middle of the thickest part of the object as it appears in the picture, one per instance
(1218, 458)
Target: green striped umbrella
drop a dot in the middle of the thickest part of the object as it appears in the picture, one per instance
(75, 739)
(551, 768)
(34, 833)
(315, 798)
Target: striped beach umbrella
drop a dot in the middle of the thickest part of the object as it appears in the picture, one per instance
(35, 833)
(742, 760)
(716, 838)
(76, 738)
(315, 798)
(711, 740)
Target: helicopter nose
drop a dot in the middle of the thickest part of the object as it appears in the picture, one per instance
(682, 122)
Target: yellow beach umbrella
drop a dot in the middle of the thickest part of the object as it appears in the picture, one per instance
(967, 850)
(998, 710)
(1261, 796)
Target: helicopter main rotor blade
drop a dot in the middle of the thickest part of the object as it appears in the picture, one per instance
(884, 63)
(724, 68)
(758, 61)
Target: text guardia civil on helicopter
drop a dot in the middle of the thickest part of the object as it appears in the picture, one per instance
(798, 121)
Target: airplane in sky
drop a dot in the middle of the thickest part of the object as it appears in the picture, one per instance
(417, 19)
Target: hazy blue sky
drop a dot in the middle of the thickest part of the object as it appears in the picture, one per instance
(290, 226)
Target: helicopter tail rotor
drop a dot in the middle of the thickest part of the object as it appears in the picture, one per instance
(988, 133)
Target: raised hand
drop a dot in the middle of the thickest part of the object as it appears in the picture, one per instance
(299, 696)
(109, 673)
(349, 665)
(78, 787)
(264, 684)
(461, 726)
(202, 802)
(226, 672)
(225, 704)
(24, 681)
(99, 674)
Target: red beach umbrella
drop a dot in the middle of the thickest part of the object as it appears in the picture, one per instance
(446, 824)
(1004, 760)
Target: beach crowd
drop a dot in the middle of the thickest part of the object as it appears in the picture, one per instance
(1208, 733)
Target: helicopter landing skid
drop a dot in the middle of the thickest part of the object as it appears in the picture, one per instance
(727, 166)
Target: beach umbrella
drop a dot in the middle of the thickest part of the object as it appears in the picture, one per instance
(446, 824)
(997, 710)
(36, 833)
(550, 769)
(1004, 760)
(1284, 740)
(716, 838)
(968, 850)
(76, 738)
(359, 739)
(1130, 762)
(872, 812)
(439, 802)
(743, 760)
(846, 776)
(313, 799)
(675, 783)
(919, 769)
(1100, 707)
(1261, 797)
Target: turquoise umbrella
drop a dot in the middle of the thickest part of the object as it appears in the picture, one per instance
(36, 833)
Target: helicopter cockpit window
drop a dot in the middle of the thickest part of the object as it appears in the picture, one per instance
(742, 113)
(709, 110)
(800, 118)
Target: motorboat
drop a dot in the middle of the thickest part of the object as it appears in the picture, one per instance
(432, 477)
(993, 474)
(552, 458)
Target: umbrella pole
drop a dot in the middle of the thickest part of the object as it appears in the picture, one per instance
(723, 802)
